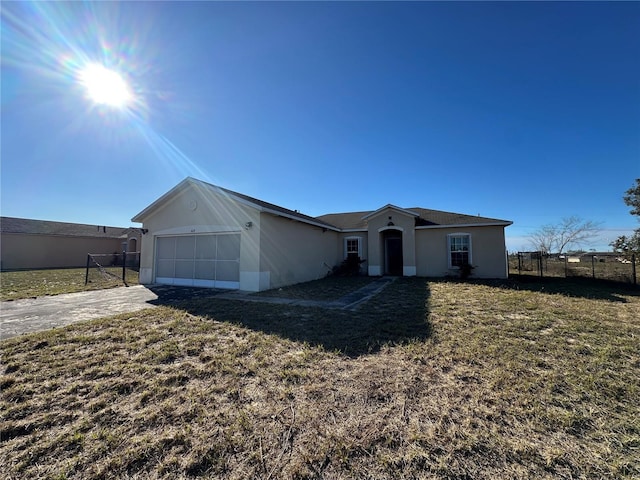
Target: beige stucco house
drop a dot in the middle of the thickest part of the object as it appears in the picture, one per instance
(199, 234)
(30, 244)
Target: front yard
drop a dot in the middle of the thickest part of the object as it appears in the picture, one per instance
(430, 379)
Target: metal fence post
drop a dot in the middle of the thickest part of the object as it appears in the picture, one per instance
(540, 263)
(86, 276)
(124, 267)
(633, 268)
(593, 266)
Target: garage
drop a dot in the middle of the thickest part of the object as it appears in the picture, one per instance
(199, 260)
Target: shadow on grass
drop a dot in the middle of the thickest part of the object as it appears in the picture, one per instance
(577, 287)
(397, 315)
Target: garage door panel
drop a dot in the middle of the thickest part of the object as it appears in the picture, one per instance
(205, 247)
(165, 268)
(227, 271)
(166, 248)
(228, 247)
(185, 247)
(205, 269)
(184, 269)
(199, 260)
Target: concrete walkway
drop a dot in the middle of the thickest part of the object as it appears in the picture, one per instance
(36, 314)
(351, 301)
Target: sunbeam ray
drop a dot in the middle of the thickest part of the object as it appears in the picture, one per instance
(62, 43)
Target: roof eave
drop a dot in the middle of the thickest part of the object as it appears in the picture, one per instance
(465, 225)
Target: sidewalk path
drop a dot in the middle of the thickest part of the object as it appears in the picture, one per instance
(351, 301)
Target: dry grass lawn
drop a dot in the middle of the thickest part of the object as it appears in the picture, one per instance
(429, 380)
(37, 283)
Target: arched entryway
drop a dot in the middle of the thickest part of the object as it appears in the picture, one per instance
(392, 250)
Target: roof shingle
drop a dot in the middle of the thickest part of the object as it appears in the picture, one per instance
(426, 217)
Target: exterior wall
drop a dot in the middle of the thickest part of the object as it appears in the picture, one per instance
(293, 252)
(277, 251)
(488, 252)
(26, 251)
(194, 212)
(377, 225)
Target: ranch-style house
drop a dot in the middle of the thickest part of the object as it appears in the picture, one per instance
(199, 234)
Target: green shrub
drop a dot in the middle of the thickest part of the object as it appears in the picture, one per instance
(349, 267)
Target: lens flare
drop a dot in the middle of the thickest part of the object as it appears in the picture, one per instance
(59, 52)
(104, 86)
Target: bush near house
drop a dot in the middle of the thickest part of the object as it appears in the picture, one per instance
(349, 267)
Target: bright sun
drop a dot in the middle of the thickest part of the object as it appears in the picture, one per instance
(105, 86)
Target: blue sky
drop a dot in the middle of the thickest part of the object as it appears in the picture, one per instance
(528, 112)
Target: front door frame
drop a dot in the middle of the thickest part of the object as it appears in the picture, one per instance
(392, 251)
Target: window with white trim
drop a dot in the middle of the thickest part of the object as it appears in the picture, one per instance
(459, 249)
(352, 247)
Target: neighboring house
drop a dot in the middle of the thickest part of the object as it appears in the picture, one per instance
(600, 256)
(30, 244)
(203, 235)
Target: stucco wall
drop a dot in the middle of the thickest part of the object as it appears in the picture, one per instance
(190, 213)
(294, 252)
(401, 221)
(23, 251)
(488, 251)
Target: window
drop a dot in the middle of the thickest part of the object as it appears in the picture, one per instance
(352, 247)
(459, 250)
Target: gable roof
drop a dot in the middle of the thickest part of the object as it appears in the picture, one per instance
(277, 210)
(388, 206)
(425, 218)
(45, 227)
(259, 205)
(346, 221)
(439, 218)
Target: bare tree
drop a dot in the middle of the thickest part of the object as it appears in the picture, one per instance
(570, 231)
(544, 239)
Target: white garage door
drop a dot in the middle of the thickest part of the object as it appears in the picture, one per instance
(199, 260)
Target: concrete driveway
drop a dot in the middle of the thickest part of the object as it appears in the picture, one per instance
(35, 314)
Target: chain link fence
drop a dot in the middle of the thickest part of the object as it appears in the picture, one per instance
(109, 267)
(599, 266)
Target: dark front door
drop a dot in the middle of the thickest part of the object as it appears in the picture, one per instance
(393, 254)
